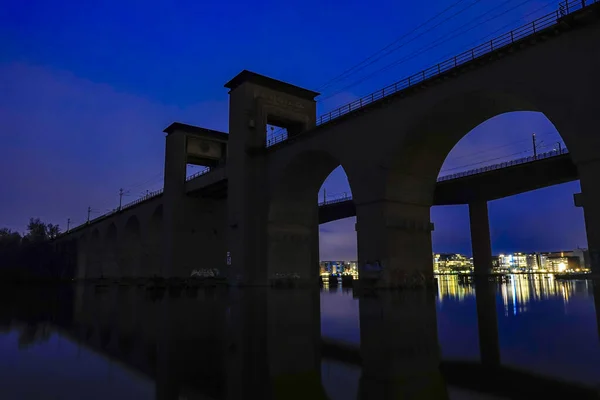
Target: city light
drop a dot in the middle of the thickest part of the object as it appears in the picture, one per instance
(559, 262)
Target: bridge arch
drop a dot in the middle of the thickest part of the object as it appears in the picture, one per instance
(293, 216)
(131, 249)
(111, 264)
(433, 134)
(395, 226)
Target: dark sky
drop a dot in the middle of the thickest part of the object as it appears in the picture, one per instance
(86, 89)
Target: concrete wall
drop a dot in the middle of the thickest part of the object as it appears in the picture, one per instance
(130, 244)
(203, 240)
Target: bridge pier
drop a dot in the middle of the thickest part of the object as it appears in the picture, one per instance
(398, 236)
(480, 237)
(174, 203)
(259, 239)
(193, 233)
(294, 251)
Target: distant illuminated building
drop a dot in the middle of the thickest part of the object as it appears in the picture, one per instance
(562, 263)
(449, 263)
(532, 262)
(327, 268)
(505, 261)
(517, 262)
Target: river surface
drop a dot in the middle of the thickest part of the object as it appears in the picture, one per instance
(531, 335)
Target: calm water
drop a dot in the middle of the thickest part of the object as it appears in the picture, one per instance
(533, 335)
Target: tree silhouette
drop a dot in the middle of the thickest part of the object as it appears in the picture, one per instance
(31, 256)
(52, 231)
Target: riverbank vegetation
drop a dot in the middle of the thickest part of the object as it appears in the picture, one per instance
(31, 256)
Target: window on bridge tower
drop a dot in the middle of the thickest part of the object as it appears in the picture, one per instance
(206, 150)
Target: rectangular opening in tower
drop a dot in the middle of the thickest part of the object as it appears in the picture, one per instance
(194, 170)
(276, 134)
(281, 128)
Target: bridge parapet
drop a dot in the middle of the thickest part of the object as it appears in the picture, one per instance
(505, 164)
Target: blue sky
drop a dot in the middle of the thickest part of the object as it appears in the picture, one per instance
(86, 89)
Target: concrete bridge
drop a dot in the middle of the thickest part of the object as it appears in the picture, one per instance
(254, 216)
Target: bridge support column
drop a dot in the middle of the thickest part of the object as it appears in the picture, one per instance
(398, 236)
(589, 199)
(174, 203)
(399, 347)
(480, 237)
(294, 250)
(255, 102)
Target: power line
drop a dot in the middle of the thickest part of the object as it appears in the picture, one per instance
(423, 50)
(341, 76)
(416, 37)
(154, 178)
(501, 29)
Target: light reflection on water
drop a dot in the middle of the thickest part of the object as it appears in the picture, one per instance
(543, 325)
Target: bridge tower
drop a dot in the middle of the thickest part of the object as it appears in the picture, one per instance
(185, 144)
(256, 101)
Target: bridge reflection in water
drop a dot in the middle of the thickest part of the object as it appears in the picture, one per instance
(261, 344)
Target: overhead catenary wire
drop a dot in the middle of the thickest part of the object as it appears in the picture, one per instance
(435, 44)
(281, 131)
(373, 58)
(387, 47)
(501, 29)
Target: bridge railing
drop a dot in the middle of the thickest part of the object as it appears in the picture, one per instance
(142, 199)
(565, 8)
(336, 199)
(510, 163)
(549, 154)
(197, 174)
